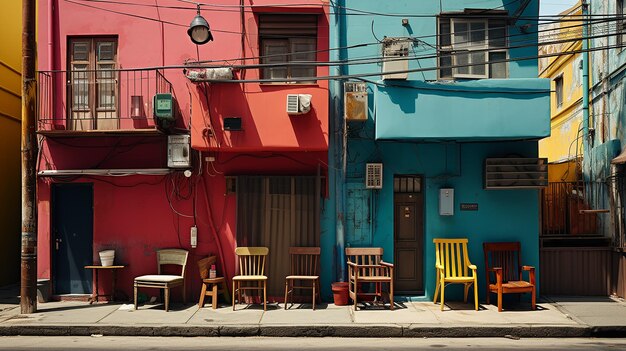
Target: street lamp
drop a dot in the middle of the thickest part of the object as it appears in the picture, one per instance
(199, 30)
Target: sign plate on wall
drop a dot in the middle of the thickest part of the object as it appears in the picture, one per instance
(469, 207)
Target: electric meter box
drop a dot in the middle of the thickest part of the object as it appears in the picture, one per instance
(164, 106)
(446, 202)
(178, 151)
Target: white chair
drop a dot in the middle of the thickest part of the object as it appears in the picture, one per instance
(165, 281)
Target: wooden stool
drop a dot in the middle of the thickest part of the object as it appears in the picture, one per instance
(210, 287)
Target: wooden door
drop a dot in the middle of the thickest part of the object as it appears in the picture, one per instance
(408, 236)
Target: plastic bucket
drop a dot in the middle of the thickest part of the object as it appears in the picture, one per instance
(107, 257)
(340, 293)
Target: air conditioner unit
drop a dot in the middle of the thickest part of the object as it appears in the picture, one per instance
(355, 101)
(516, 173)
(178, 151)
(374, 176)
(393, 51)
(298, 104)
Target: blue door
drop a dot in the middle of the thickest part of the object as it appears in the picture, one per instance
(72, 238)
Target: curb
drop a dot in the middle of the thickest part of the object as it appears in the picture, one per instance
(369, 331)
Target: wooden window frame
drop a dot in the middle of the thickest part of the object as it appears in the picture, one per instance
(92, 76)
(289, 41)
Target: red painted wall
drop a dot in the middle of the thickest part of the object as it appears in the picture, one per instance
(132, 214)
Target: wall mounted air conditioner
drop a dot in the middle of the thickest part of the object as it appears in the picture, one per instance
(394, 49)
(178, 151)
(355, 101)
(374, 175)
(516, 173)
(298, 104)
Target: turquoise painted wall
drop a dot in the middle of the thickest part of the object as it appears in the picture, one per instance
(446, 160)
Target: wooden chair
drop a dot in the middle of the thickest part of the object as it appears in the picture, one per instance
(305, 262)
(453, 267)
(211, 286)
(503, 270)
(165, 281)
(366, 265)
(251, 269)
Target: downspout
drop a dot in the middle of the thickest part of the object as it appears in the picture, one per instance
(51, 20)
(585, 84)
(339, 140)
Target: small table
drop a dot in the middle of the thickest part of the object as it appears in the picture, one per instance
(113, 269)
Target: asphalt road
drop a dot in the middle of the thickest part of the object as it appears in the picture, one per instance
(259, 343)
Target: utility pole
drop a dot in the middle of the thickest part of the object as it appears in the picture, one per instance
(28, 288)
(585, 87)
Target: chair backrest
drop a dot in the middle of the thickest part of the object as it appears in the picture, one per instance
(173, 257)
(204, 265)
(452, 255)
(252, 260)
(506, 256)
(304, 260)
(364, 255)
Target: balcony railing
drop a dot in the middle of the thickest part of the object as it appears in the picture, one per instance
(98, 100)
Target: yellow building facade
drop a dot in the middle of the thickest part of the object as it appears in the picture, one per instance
(564, 146)
(10, 126)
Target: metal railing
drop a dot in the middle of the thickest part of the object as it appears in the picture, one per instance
(104, 99)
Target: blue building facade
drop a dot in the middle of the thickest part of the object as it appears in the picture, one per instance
(449, 88)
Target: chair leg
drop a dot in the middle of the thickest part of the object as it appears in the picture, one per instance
(314, 295)
(443, 287)
(202, 295)
(167, 299)
(135, 293)
(265, 295)
(234, 292)
(499, 298)
(488, 293)
(436, 290)
(475, 295)
(466, 291)
(286, 291)
(533, 299)
(214, 296)
(392, 304)
(356, 291)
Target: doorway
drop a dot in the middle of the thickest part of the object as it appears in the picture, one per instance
(408, 231)
(72, 238)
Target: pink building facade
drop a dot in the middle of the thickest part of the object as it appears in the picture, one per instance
(257, 173)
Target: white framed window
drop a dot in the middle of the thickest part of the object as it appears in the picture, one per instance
(472, 47)
(558, 89)
(287, 38)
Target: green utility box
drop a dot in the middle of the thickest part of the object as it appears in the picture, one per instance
(164, 109)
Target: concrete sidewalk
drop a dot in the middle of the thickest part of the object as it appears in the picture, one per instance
(554, 317)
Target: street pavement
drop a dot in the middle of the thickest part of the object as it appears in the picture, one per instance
(554, 317)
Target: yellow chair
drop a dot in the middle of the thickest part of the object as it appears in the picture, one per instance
(453, 265)
(251, 269)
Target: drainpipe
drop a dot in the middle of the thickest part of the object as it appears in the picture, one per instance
(585, 83)
(339, 165)
(51, 20)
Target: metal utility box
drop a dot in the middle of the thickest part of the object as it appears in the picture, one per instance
(178, 151)
(164, 107)
(446, 202)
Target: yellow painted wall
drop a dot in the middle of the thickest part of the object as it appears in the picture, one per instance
(565, 141)
(10, 115)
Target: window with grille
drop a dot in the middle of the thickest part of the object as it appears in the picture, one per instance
(93, 79)
(472, 47)
(288, 39)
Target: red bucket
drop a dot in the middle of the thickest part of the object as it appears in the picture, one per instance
(340, 293)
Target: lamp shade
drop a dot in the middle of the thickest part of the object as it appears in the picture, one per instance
(199, 31)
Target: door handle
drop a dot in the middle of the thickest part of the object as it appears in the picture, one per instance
(57, 241)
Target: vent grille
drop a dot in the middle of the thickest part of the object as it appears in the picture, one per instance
(374, 176)
(293, 104)
(355, 101)
(516, 173)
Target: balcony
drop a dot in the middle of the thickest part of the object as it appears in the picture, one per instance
(480, 110)
(98, 102)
